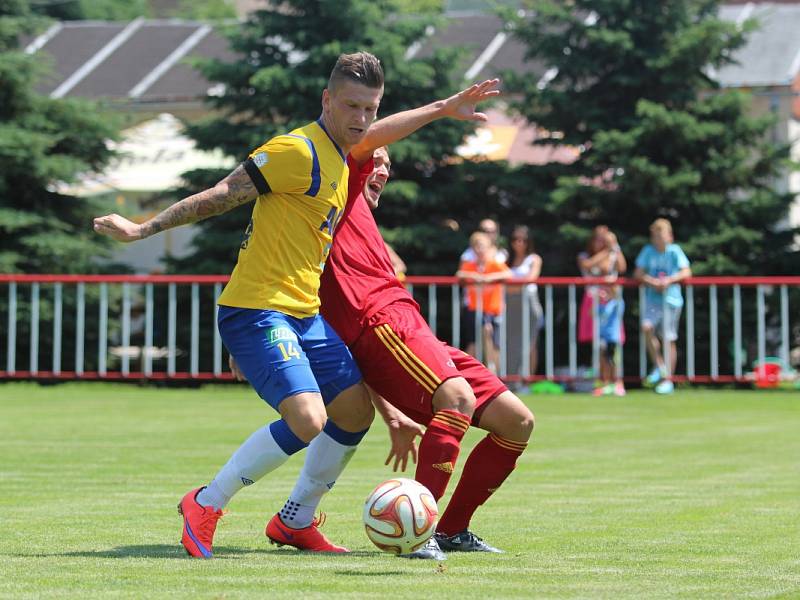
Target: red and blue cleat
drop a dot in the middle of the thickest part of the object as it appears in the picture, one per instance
(199, 525)
(308, 538)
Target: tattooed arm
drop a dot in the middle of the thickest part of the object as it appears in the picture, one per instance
(236, 189)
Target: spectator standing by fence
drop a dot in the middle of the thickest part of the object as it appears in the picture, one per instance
(526, 265)
(603, 258)
(481, 276)
(661, 266)
(491, 228)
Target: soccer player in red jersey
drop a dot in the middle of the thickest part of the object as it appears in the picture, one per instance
(413, 372)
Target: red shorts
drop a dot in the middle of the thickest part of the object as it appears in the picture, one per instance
(403, 361)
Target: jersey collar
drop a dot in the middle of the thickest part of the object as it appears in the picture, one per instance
(335, 145)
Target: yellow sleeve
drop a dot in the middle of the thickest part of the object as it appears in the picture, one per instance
(285, 164)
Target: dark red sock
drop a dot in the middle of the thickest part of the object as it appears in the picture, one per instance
(487, 467)
(439, 448)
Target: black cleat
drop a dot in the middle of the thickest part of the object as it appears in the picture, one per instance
(430, 551)
(464, 541)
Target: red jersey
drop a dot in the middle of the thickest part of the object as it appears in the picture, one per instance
(358, 279)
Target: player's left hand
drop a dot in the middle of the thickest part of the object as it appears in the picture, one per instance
(118, 228)
(461, 106)
(402, 432)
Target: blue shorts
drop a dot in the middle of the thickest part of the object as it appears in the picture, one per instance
(282, 356)
(610, 320)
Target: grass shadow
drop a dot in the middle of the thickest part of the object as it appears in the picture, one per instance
(136, 551)
(167, 551)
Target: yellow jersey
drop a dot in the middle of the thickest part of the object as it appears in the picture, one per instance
(301, 178)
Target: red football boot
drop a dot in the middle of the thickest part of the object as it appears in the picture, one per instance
(307, 538)
(199, 524)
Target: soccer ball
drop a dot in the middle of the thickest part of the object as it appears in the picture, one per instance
(400, 515)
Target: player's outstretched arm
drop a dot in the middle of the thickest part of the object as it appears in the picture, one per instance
(460, 106)
(236, 189)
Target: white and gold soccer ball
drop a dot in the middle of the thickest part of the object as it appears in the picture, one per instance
(400, 515)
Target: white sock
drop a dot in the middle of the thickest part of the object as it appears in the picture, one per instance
(257, 456)
(325, 460)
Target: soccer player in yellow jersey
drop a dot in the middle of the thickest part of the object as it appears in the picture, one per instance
(268, 316)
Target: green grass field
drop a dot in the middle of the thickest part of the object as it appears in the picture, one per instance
(693, 496)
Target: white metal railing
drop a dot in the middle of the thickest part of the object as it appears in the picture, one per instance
(164, 327)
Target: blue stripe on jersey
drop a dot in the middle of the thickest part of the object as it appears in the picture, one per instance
(316, 180)
(335, 145)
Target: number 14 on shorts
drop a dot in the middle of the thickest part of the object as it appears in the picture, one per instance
(288, 350)
(286, 340)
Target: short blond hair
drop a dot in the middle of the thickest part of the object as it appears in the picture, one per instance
(661, 225)
(480, 236)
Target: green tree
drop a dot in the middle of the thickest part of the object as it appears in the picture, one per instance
(105, 10)
(629, 86)
(44, 142)
(126, 10)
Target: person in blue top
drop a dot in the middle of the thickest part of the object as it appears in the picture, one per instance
(661, 266)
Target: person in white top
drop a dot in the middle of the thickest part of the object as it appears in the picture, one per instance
(525, 265)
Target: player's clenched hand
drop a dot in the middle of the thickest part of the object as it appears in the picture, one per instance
(402, 432)
(461, 106)
(117, 227)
